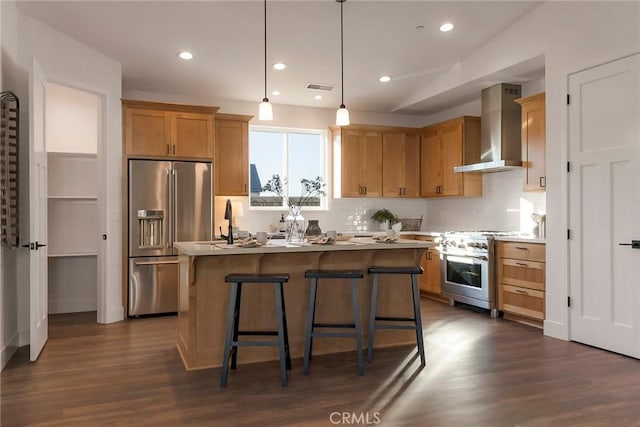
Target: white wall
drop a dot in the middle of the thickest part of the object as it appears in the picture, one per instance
(72, 120)
(8, 273)
(67, 62)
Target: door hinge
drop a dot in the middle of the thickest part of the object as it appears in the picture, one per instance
(568, 166)
(568, 301)
(568, 234)
(568, 99)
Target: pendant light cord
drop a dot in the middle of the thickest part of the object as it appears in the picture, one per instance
(265, 50)
(341, 54)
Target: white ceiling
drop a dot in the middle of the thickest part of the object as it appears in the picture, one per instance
(226, 37)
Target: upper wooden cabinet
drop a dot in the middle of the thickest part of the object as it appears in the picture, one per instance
(444, 146)
(533, 142)
(232, 155)
(401, 163)
(361, 160)
(153, 129)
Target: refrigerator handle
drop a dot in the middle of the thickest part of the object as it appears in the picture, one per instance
(169, 241)
(174, 213)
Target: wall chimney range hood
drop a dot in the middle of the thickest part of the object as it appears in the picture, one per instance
(500, 146)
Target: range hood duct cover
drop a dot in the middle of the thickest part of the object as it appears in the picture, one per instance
(500, 145)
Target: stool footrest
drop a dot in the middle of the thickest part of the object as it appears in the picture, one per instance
(334, 334)
(334, 325)
(258, 333)
(255, 343)
(395, 327)
(397, 319)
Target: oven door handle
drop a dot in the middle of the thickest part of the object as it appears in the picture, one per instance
(465, 259)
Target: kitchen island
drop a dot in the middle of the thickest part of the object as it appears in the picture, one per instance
(203, 296)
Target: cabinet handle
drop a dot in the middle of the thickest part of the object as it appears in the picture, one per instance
(520, 291)
(543, 181)
(174, 149)
(522, 264)
(245, 188)
(522, 248)
(365, 189)
(167, 148)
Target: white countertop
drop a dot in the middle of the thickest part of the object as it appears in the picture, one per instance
(281, 246)
(520, 239)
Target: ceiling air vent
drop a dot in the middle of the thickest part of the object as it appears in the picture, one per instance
(324, 87)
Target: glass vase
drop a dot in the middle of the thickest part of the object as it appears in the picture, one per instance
(295, 225)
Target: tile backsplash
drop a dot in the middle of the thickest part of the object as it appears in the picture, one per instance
(503, 206)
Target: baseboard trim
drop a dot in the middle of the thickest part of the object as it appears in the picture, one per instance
(72, 305)
(9, 350)
(555, 329)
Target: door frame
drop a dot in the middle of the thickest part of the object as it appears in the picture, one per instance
(102, 300)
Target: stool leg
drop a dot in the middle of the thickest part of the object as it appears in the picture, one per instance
(236, 327)
(281, 345)
(227, 337)
(315, 299)
(310, 320)
(356, 314)
(372, 318)
(286, 331)
(418, 317)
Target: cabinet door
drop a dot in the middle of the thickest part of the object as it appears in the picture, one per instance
(193, 135)
(433, 272)
(372, 163)
(451, 157)
(430, 163)
(424, 279)
(231, 158)
(401, 164)
(352, 163)
(533, 145)
(147, 132)
(394, 157)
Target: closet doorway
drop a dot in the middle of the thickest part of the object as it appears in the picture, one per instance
(73, 140)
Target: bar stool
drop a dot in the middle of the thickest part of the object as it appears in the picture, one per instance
(416, 319)
(231, 342)
(315, 275)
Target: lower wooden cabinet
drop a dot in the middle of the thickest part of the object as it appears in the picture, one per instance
(430, 280)
(521, 281)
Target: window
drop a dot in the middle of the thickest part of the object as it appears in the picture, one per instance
(292, 154)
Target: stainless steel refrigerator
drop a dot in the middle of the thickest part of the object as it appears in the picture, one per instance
(168, 202)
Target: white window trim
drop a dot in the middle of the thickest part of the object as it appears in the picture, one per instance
(324, 134)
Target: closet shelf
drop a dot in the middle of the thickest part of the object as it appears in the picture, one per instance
(72, 197)
(76, 254)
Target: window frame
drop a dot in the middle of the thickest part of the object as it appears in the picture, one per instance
(324, 163)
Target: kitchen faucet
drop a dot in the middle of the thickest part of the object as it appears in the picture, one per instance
(228, 215)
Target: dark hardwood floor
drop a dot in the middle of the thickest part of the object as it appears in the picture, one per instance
(480, 372)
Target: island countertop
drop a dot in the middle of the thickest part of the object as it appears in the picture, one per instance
(282, 246)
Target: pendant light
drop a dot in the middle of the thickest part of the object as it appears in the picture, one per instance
(342, 115)
(265, 112)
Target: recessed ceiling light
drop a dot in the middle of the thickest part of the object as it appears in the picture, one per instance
(317, 97)
(447, 26)
(385, 79)
(279, 66)
(275, 92)
(185, 55)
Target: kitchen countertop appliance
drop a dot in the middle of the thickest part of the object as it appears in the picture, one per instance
(168, 202)
(468, 267)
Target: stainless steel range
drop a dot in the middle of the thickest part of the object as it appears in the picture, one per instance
(468, 268)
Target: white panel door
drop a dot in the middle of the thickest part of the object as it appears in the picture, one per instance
(38, 314)
(604, 206)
